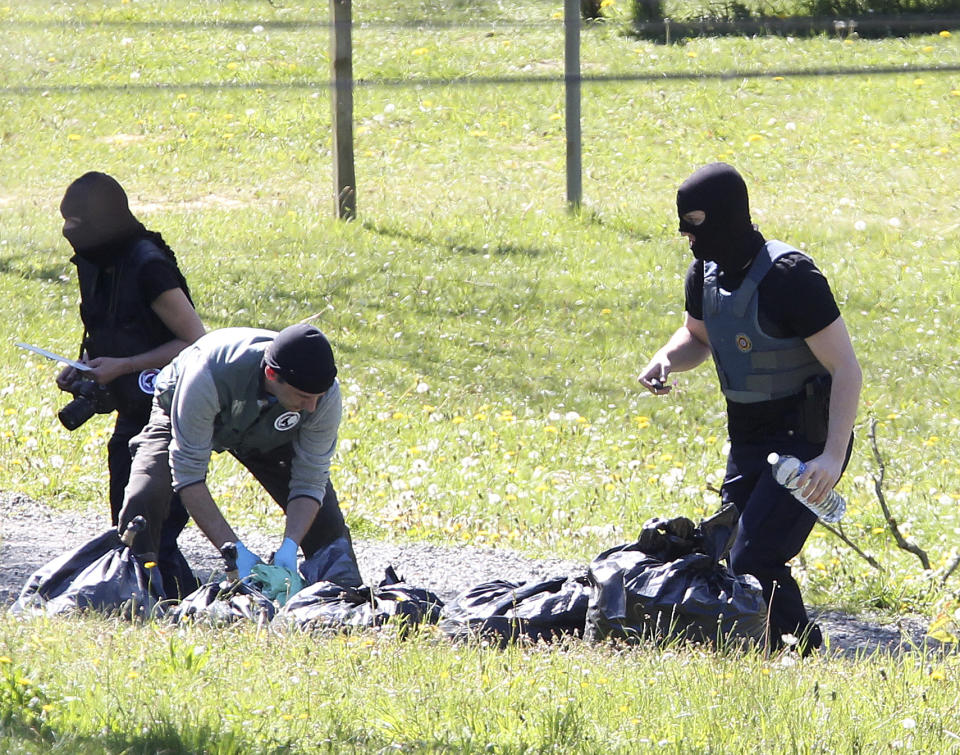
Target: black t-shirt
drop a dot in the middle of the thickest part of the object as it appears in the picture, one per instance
(157, 277)
(795, 301)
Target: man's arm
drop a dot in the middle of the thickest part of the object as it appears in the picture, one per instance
(833, 348)
(301, 512)
(688, 347)
(177, 313)
(200, 505)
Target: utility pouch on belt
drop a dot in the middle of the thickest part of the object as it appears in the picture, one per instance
(815, 409)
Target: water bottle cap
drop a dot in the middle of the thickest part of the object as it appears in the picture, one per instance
(773, 458)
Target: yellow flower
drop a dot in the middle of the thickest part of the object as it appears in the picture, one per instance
(555, 117)
(458, 420)
(938, 675)
(928, 48)
(755, 137)
(605, 311)
(551, 429)
(691, 54)
(73, 137)
(607, 3)
(5, 659)
(945, 34)
(421, 51)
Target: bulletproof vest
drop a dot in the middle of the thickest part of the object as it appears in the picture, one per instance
(118, 321)
(753, 366)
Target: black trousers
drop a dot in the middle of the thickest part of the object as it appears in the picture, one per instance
(773, 529)
(172, 565)
(149, 491)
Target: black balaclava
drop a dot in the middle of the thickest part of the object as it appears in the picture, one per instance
(302, 356)
(105, 222)
(726, 236)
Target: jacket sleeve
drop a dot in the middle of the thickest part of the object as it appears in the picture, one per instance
(193, 410)
(314, 447)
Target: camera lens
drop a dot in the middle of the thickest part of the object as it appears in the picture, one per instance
(76, 413)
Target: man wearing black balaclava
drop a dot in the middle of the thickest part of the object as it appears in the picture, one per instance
(137, 315)
(787, 368)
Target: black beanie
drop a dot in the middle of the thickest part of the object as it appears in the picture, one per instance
(302, 356)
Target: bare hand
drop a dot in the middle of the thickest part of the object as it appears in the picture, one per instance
(819, 477)
(107, 369)
(654, 378)
(66, 377)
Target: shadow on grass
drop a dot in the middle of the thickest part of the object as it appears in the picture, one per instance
(18, 265)
(504, 249)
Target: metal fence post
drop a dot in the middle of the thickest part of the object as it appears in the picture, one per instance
(571, 21)
(341, 99)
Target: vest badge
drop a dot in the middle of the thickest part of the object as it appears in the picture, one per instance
(287, 420)
(147, 381)
(744, 344)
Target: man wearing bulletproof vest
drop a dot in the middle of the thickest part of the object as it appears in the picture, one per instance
(787, 369)
(137, 315)
(273, 402)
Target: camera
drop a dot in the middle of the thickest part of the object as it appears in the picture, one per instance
(89, 398)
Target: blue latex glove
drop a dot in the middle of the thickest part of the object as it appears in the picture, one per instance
(246, 560)
(286, 557)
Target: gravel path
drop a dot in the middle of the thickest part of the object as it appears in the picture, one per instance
(31, 534)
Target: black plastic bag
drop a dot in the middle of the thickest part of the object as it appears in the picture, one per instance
(325, 605)
(332, 563)
(225, 602)
(101, 575)
(506, 611)
(670, 585)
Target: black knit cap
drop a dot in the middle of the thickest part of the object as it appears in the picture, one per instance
(302, 356)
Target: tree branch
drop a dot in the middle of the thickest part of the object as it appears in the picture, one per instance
(902, 542)
(842, 535)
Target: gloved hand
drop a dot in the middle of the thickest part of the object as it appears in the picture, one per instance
(286, 556)
(246, 560)
(276, 582)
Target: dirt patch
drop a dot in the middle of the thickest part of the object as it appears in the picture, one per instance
(31, 534)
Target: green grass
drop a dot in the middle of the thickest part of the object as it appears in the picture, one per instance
(156, 688)
(488, 340)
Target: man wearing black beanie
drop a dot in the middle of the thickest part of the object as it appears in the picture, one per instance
(273, 401)
(787, 368)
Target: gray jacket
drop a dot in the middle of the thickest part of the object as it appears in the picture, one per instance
(213, 393)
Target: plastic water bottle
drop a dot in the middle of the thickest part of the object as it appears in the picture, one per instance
(786, 470)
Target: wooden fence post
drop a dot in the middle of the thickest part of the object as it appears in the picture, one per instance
(571, 21)
(341, 99)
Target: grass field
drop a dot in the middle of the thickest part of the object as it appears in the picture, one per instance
(488, 342)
